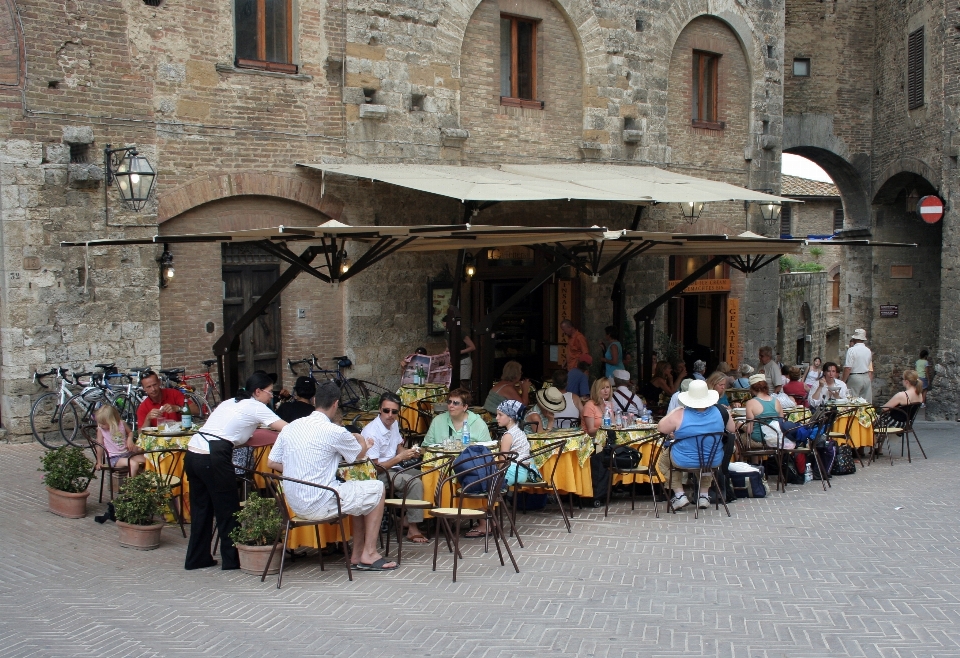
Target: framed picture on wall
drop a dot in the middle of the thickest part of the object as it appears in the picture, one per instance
(439, 295)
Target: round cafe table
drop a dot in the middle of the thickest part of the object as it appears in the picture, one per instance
(410, 396)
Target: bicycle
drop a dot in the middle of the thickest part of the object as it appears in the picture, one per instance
(79, 412)
(172, 378)
(45, 414)
(211, 393)
(352, 391)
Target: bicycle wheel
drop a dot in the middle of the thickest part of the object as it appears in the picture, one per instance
(127, 406)
(352, 391)
(201, 404)
(212, 395)
(77, 415)
(45, 421)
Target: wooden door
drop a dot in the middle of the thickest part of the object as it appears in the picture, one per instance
(260, 342)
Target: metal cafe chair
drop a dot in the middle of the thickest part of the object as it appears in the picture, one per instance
(889, 423)
(106, 470)
(911, 410)
(166, 463)
(493, 496)
(545, 483)
(709, 457)
(819, 424)
(398, 501)
(847, 418)
(649, 469)
(566, 423)
(274, 485)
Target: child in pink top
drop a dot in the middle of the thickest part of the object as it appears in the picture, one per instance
(116, 439)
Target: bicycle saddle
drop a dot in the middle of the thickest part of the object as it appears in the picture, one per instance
(209, 362)
(139, 369)
(104, 366)
(172, 371)
(339, 358)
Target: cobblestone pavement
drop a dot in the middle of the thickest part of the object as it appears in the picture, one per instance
(869, 568)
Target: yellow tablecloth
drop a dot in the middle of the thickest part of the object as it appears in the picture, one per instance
(410, 394)
(861, 431)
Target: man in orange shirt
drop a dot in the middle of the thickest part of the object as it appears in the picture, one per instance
(576, 344)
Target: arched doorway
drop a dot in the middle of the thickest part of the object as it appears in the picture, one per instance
(804, 335)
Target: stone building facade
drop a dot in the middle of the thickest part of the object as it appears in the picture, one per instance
(362, 82)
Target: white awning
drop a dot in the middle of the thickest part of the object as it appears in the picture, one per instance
(584, 182)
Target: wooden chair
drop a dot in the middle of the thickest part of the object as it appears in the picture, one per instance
(650, 469)
(547, 478)
(494, 497)
(100, 454)
(166, 470)
(401, 504)
(274, 485)
(709, 448)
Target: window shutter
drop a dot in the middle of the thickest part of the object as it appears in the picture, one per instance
(838, 219)
(915, 69)
(785, 216)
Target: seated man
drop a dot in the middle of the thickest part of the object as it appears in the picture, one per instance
(161, 403)
(573, 404)
(828, 387)
(448, 426)
(578, 381)
(387, 453)
(310, 449)
(624, 398)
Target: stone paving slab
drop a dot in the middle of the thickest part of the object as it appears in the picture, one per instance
(805, 573)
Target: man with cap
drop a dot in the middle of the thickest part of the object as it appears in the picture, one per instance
(578, 382)
(698, 415)
(550, 401)
(624, 398)
(856, 367)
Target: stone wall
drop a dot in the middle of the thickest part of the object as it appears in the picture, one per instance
(803, 302)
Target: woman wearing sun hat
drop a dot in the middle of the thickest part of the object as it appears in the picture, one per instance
(550, 401)
(699, 415)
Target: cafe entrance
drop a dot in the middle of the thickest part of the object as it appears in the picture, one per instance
(697, 319)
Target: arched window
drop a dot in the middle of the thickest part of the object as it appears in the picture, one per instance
(835, 282)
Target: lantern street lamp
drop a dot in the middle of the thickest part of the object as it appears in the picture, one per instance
(166, 266)
(132, 173)
(770, 211)
(469, 264)
(344, 261)
(691, 210)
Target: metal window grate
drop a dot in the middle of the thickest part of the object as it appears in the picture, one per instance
(915, 69)
(837, 219)
(785, 218)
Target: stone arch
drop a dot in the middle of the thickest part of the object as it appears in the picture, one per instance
(12, 55)
(847, 178)
(906, 165)
(301, 190)
(681, 15)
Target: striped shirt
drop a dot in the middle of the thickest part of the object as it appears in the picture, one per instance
(310, 449)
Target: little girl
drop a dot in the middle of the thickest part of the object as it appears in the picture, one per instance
(116, 438)
(509, 413)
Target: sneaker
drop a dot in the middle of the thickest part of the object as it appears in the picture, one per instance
(704, 502)
(679, 501)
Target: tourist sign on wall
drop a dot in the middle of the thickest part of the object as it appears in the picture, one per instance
(930, 209)
(703, 286)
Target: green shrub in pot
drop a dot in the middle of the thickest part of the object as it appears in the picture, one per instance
(259, 521)
(66, 469)
(142, 498)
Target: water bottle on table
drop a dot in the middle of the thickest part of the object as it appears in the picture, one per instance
(465, 437)
(186, 420)
(606, 417)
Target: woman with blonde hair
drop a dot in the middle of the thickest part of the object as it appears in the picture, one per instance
(601, 400)
(506, 388)
(717, 381)
(912, 392)
(116, 439)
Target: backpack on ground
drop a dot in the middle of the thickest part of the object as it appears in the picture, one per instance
(827, 450)
(621, 457)
(750, 484)
(472, 457)
(844, 464)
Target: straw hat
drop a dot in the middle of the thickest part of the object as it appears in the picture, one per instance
(759, 377)
(859, 334)
(699, 396)
(551, 399)
(621, 374)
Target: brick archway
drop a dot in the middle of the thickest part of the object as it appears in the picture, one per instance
(212, 188)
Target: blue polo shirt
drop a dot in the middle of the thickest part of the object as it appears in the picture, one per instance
(578, 383)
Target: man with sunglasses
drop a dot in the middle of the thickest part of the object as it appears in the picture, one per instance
(387, 452)
(449, 425)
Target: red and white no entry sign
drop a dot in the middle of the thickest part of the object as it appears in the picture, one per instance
(930, 209)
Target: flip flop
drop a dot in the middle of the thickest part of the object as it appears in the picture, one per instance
(376, 566)
(416, 539)
(474, 534)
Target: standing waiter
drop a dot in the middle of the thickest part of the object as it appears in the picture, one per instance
(857, 367)
(209, 468)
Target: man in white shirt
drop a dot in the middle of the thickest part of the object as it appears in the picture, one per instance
(570, 416)
(857, 372)
(310, 449)
(386, 452)
(624, 399)
(770, 369)
(821, 392)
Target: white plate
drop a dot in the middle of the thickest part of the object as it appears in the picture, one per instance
(486, 444)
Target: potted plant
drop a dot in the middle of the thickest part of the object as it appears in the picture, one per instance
(260, 523)
(67, 473)
(141, 500)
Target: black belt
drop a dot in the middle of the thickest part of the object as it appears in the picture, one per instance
(859, 373)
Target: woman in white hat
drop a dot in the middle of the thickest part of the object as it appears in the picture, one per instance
(699, 415)
(542, 415)
(743, 381)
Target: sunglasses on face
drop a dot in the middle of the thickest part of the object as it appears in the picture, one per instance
(390, 412)
(454, 403)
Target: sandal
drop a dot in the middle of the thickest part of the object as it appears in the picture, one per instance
(377, 566)
(417, 539)
(474, 534)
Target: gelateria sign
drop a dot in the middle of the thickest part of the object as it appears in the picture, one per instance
(703, 286)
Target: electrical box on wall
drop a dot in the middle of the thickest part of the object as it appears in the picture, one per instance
(301, 313)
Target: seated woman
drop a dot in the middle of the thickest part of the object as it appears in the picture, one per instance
(795, 388)
(573, 403)
(717, 381)
(301, 405)
(591, 418)
(664, 379)
(912, 392)
(743, 381)
(449, 425)
(762, 406)
(542, 416)
(697, 415)
(506, 388)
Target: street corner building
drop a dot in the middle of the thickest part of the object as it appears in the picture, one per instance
(252, 113)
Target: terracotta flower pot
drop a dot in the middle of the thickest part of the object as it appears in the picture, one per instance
(68, 505)
(140, 537)
(254, 558)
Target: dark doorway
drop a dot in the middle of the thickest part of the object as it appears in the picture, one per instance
(697, 323)
(518, 333)
(243, 283)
